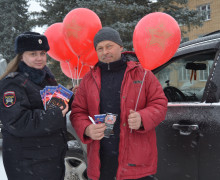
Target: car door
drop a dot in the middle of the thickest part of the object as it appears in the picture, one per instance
(209, 146)
(187, 139)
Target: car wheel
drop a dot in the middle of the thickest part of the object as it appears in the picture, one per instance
(75, 166)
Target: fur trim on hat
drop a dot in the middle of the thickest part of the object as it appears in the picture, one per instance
(31, 41)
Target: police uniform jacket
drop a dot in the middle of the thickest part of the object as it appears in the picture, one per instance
(34, 142)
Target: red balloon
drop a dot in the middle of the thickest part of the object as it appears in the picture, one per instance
(58, 47)
(156, 39)
(79, 28)
(90, 58)
(72, 71)
(74, 60)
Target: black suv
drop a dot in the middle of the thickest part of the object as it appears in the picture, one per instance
(188, 147)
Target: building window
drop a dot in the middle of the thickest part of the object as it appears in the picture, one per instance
(184, 74)
(203, 75)
(206, 11)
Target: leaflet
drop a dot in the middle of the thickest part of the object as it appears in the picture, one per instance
(55, 96)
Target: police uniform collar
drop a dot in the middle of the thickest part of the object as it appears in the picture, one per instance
(35, 75)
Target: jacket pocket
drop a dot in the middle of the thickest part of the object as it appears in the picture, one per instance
(139, 150)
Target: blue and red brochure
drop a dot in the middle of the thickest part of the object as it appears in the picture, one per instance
(55, 96)
(42, 94)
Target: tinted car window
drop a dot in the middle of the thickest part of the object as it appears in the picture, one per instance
(184, 79)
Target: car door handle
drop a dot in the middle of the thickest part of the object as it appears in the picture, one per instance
(185, 129)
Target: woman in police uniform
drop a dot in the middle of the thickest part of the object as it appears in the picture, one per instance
(34, 143)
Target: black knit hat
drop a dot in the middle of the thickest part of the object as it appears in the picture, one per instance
(107, 33)
(31, 41)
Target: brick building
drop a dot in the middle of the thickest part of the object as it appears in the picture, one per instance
(212, 22)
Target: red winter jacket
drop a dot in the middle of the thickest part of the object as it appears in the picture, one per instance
(137, 150)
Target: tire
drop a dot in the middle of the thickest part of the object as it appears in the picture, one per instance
(75, 166)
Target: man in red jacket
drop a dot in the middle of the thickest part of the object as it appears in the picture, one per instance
(113, 86)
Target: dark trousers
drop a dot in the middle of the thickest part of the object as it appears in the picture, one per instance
(143, 178)
(109, 166)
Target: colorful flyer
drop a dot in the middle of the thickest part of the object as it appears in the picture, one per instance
(55, 96)
(109, 122)
(42, 94)
(49, 91)
(59, 97)
(99, 118)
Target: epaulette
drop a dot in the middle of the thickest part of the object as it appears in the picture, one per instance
(11, 75)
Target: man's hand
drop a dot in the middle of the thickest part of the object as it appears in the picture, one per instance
(95, 131)
(134, 120)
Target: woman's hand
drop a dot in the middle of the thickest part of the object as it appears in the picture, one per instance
(64, 111)
(75, 89)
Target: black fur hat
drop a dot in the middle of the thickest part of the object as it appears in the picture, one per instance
(31, 41)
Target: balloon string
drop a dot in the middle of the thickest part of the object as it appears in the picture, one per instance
(71, 73)
(139, 93)
(145, 72)
(75, 73)
(81, 70)
(78, 70)
(140, 90)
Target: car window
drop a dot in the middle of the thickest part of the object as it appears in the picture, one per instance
(184, 79)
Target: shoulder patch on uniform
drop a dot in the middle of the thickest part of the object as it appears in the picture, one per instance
(9, 98)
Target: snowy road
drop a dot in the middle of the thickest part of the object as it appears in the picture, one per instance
(2, 170)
